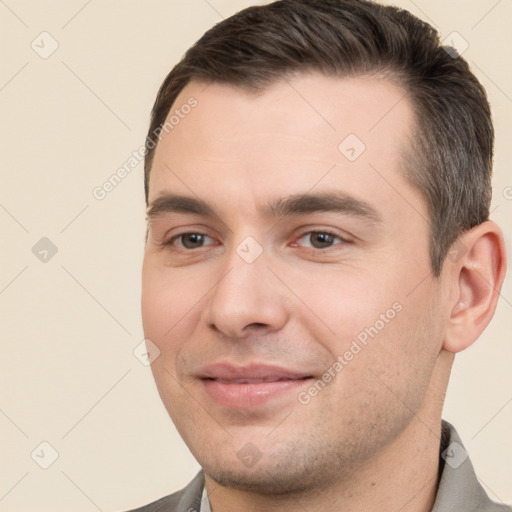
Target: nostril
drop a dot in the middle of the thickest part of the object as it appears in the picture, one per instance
(257, 324)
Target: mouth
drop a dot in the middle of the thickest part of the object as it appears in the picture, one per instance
(254, 381)
(247, 387)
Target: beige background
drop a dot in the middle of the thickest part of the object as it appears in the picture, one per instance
(69, 325)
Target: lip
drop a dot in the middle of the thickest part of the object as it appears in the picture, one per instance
(249, 386)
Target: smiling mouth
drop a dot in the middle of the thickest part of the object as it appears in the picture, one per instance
(253, 393)
(257, 381)
(254, 385)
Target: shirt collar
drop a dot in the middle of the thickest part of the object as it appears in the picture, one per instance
(205, 502)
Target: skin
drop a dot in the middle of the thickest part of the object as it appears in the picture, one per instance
(370, 439)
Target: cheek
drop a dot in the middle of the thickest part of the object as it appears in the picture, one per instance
(342, 304)
(375, 327)
(402, 357)
(169, 304)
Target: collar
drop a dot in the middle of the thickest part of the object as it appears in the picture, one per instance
(205, 502)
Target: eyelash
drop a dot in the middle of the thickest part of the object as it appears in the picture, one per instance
(170, 242)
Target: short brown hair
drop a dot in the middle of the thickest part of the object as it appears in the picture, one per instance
(452, 147)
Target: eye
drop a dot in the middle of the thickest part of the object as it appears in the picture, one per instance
(320, 239)
(311, 239)
(190, 240)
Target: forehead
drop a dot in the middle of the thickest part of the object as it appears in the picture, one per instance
(299, 133)
(311, 106)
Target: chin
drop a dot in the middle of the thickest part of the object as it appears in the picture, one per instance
(264, 480)
(280, 469)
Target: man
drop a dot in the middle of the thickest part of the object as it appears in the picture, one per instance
(319, 247)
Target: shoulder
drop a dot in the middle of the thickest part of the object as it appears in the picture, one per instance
(186, 500)
(459, 488)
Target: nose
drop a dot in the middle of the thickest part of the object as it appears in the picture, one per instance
(248, 299)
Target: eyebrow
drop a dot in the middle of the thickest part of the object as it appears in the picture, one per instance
(297, 204)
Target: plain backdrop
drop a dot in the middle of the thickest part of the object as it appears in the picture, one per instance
(70, 263)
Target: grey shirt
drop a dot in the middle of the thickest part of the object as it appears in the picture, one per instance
(458, 489)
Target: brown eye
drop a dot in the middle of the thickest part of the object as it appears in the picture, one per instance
(190, 240)
(320, 239)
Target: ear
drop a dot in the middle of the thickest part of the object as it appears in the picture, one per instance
(476, 270)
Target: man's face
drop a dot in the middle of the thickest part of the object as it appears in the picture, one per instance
(253, 306)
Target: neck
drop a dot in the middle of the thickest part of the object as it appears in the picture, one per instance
(402, 476)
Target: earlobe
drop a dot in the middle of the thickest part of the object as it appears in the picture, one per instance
(477, 277)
